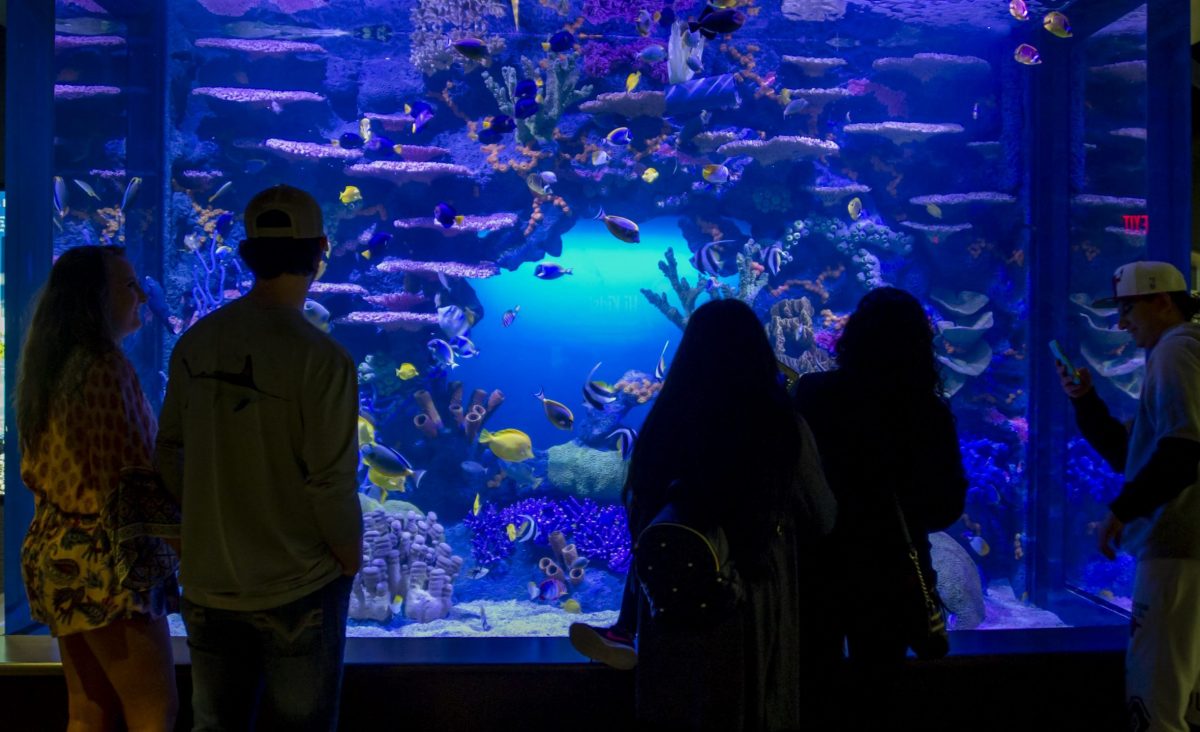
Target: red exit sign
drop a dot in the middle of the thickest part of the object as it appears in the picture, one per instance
(1136, 223)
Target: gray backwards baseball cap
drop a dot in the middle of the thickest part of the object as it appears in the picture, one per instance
(1143, 278)
(283, 212)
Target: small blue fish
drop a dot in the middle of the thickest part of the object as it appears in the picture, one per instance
(350, 141)
(525, 108)
(694, 63)
(550, 271)
(464, 347)
(472, 48)
(660, 371)
(470, 467)
(652, 54)
(620, 136)
(488, 136)
(556, 412)
(452, 320)
(379, 147)
(561, 42)
(156, 300)
(525, 89)
(707, 260)
(315, 313)
(773, 258)
(626, 437)
(255, 165)
(224, 225)
(441, 353)
(595, 393)
(509, 316)
(421, 113)
(444, 214)
(713, 22)
(135, 184)
(375, 247)
(796, 106)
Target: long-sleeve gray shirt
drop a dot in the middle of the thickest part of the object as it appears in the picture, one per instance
(258, 440)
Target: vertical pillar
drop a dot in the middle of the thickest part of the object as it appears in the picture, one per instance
(1169, 132)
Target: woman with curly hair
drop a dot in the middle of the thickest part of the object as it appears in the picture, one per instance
(884, 432)
(82, 418)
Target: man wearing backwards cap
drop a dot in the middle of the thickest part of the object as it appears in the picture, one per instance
(258, 439)
(1156, 517)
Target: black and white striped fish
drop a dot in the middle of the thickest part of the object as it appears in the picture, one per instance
(597, 393)
(626, 436)
(660, 371)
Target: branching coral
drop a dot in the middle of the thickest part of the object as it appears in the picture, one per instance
(600, 532)
(438, 23)
(558, 93)
(686, 293)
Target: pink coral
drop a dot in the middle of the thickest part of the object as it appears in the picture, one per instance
(396, 300)
(479, 271)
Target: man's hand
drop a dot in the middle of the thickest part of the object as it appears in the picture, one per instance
(1110, 535)
(1069, 386)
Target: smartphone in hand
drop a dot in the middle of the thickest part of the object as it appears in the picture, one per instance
(1061, 357)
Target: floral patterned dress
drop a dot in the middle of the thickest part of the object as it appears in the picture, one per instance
(94, 430)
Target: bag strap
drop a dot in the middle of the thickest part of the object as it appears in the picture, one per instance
(900, 518)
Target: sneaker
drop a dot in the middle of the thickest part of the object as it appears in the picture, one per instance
(606, 645)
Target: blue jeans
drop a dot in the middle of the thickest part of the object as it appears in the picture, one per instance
(289, 658)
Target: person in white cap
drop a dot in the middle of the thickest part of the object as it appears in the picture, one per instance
(1156, 516)
(258, 439)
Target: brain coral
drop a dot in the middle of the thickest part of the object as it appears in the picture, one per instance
(597, 474)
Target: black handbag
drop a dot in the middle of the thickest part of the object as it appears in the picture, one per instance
(923, 621)
(685, 570)
(141, 514)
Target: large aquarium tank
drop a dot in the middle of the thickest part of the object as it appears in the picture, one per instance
(526, 199)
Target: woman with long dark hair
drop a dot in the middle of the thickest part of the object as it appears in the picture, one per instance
(884, 431)
(81, 419)
(723, 443)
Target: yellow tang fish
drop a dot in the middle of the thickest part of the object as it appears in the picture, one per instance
(1057, 23)
(855, 208)
(934, 210)
(650, 175)
(632, 80)
(366, 430)
(350, 195)
(406, 371)
(475, 506)
(572, 606)
(511, 530)
(508, 444)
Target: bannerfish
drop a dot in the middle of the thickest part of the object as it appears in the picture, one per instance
(444, 214)
(660, 370)
(773, 258)
(707, 260)
(1027, 55)
(441, 353)
(350, 195)
(652, 54)
(407, 371)
(1057, 24)
(509, 316)
(854, 208)
(715, 173)
(650, 175)
(626, 437)
(452, 320)
(556, 412)
(632, 80)
(471, 48)
(620, 227)
(713, 22)
(91, 192)
(551, 271)
(524, 108)
(560, 42)
(421, 112)
(1018, 9)
(135, 184)
(508, 444)
(619, 136)
(375, 246)
(596, 393)
(315, 313)
(599, 157)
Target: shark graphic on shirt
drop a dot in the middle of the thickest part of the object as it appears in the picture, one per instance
(243, 379)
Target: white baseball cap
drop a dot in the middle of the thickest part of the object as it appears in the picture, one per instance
(1143, 278)
(285, 213)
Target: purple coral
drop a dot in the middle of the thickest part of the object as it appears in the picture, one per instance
(264, 47)
(479, 271)
(598, 12)
(599, 532)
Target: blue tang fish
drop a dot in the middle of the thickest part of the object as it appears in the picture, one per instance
(350, 141)
(442, 353)
(421, 113)
(525, 108)
(525, 89)
(550, 271)
(224, 225)
(375, 246)
(560, 42)
(444, 214)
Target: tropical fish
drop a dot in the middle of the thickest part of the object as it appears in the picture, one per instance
(839, 42)
(620, 227)
(349, 140)
(255, 165)
(537, 183)
(407, 371)
(258, 29)
(626, 437)
(556, 412)
(715, 173)
(652, 54)
(366, 429)
(452, 320)
(477, 572)
(525, 89)
(572, 606)
(855, 208)
(464, 347)
(707, 260)
(796, 106)
(441, 353)
(551, 589)
(597, 393)
(511, 531)
(650, 175)
(619, 136)
(470, 467)
(375, 246)
(599, 157)
(551, 271)
(975, 111)
(644, 19)
(156, 300)
(632, 80)
(712, 22)
(471, 48)
(773, 258)
(444, 214)
(421, 113)
(315, 313)
(516, 6)
(580, 563)
(977, 543)
(525, 108)
(1018, 9)
(695, 63)
(194, 240)
(508, 444)
(385, 460)
(934, 210)
(350, 195)
(660, 370)
(380, 146)
(560, 42)
(86, 26)
(223, 225)
(135, 184)
(509, 316)
(87, 188)
(1027, 55)
(60, 197)
(1057, 24)
(475, 506)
